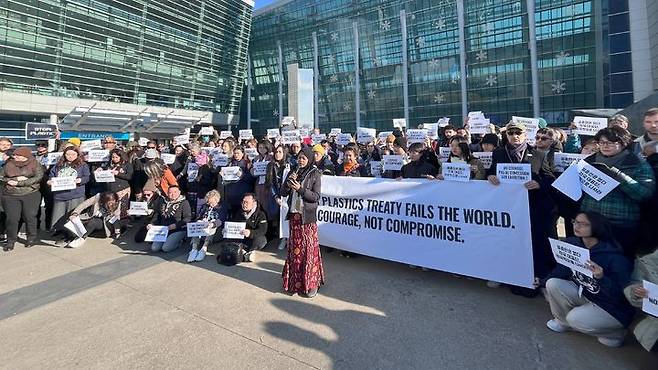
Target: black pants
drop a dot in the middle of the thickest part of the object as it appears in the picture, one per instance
(94, 228)
(254, 244)
(25, 207)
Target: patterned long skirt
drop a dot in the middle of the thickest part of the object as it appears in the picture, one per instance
(303, 270)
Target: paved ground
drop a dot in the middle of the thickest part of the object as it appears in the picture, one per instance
(115, 306)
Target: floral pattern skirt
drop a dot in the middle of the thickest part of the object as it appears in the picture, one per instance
(303, 270)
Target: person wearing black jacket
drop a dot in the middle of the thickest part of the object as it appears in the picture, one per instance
(174, 213)
(255, 221)
(419, 167)
(322, 161)
(123, 173)
(595, 306)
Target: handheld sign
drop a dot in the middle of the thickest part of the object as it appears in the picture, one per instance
(335, 131)
(399, 123)
(486, 158)
(392, 162)
(650, 304)
(233, 230)
(571, 256)
(251, 153)
(287, 121)
(456, 172)
(343, 139)
(76, 227)
(157, 234)
(376, 168)
(225, 134)
(104, 176)
(231, 173)
(138, 209)
(207, 131)
(564, 160)
(589, 125)
(594, 182)
(52, 158)
(432, 130)
(168, 158)
(88, 145)
(40, 131)
(514, 173)
(182, 139)
(477, 114)
(192, 171)
(272, 133)
(260, 168)
(220, 160)
(569, 183)
(416, 136)
(62, 183)
(143, 141)
(384, 135)
(479, 125)
(318, 138)
(304, 132)
(443, 122)
(444, 153)
(198, 229)
(289, 137)
(365, 135)
(246, 134)
(98, 156)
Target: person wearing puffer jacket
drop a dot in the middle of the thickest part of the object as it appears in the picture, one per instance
(646, 331)
(174, 213)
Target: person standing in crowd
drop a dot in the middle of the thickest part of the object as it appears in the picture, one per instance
(371, 154)
(235, 190)
(261, 190)
(292, 155)
(489, 142)
(173, 212)
(70, 164)
(255, 221)
(350, 167)
(5, 154)
(303, 272)
(100, 213)
(139, 171)
(161, 175)
(648, 146)
(215, 214)
(548, 142)
(274, 182)
(20, 178)
(460, 152)
(179, 163)
(446, 134)
(418, 168)
(150, 196)
(646, 330)
(636, 184)
(322, 161)
(517, 150)
(46, 195)
(594, 306)
(123, 172)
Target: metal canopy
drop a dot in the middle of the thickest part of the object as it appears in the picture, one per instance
(97, 119)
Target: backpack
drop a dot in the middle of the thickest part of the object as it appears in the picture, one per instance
(231, 254)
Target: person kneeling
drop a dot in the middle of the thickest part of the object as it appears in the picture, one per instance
(98, 213)
(215, 214)
(255, 227)
(595, 306)
(174, 213)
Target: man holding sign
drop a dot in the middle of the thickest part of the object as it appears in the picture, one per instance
(591, 305)
(253, 234)
(174, 213)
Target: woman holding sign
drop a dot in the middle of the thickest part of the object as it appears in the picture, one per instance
(592, 305)
(68, 196)
(21, 178)
(274, 182)
(460, 152)
(303, 272)
(261, 190)
(123, 172)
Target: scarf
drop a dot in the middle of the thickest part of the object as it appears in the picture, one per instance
(348, 167)
(201, 159)
(516, 152)
(14, 168)
(614, 161)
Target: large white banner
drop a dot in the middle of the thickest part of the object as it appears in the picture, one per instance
(473, 228)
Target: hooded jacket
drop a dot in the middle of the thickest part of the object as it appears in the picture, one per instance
(607, 292)
(168, 212)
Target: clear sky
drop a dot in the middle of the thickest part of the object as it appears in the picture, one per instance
(262, 3)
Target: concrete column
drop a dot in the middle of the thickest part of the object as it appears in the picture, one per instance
(461, 22)
(357, 79)
(534, 65)
(405, 64)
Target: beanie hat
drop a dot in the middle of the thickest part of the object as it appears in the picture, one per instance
(542, 123)
(23, 152)
(318, 148)
(490, 139)
(75, 141)
(308, 153)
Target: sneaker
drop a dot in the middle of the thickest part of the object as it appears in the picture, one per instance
(493, 284)
(557, 326)
(77, 243)
(192, 256)
(201, 255)
(250, 257)
(282, 244)
(611, 342)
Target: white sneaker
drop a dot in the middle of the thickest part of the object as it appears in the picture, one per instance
(611, 342)
(250, 257)
(77, 243)
(493, 284)
(557, 326)
(192, 256)
(201, 255)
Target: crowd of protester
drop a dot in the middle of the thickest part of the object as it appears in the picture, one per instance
(619, 229)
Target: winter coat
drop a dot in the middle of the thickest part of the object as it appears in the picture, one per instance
(91, 208)
(24, 187)
(256, 223)
(418, 170)
(216, 215)
(235, 190)
(310, 194)
(81, 172)
(646, 268)
(122, 179)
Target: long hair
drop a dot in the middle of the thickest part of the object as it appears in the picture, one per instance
(122, 155)
(462, 142)
(600, 226)
(104, 198)
(155, 169)
(285, 154)
(76, 163)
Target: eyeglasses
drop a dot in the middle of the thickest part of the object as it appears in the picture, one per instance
(110, 142)
(514, 132)
(150, 147)
(580, 223)
(609, 143)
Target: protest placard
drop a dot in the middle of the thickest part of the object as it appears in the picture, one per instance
(650, 304)
(220, 160)
(143, 141)
(182, 139)
(168, 158)
(192, 171)
(456, 172)
(233, 230)
(207, 131)
(485, 158)
(343, 139)
(335, 131)
(594, 182)
(232, 173)
(432, 130)
(138, 209)
(52, 158)
(382, 136)
(318, 138)
(304, 132)
(479, 125)
(273, 133)
(225, 134)
(416, 136)
(104, 176)
(365, 135)
(399, 123)
(392, 162)
(251, 153)
(40, 131)
(246, 134)
(288, 121)
(443, 122)
(444, 153)
(157, 234)
(589, 125)
(571, 256)
(199, 229)
(476, 114)
(98, 155)
(76, 227)
(88, 145)
(564, 160)
(62, 183)
(289, 137)
(376, 168)
(514, 173)
(260, 168)
(569, 183)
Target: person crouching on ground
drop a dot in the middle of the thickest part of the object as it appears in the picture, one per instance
(174, 213)
(102, 212)
(215, 214)
(646, 330)
(595, 306)
(255, 226)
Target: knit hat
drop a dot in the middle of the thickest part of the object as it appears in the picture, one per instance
(490, 139)
(307, 152)
(75, 141)
(23, 152)
(318, 148)
(542, 123)
(151, 154)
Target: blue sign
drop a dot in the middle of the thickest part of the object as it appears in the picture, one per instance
(93, 135)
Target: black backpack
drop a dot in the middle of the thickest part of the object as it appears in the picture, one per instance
(230, 254)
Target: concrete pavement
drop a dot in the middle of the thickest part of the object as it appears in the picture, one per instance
(116, 306)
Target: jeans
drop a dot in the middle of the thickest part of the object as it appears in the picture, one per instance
(62, 208)
(174, 240)
(25, 207)
(576, 311)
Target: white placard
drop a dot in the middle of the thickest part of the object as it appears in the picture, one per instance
(207, 131)
(318, 138)
(138, 209)
(98, 156)
(52, 158)
(343, 139)
(531, 127)
(192, 171)
(392, 162)
(479, 126)
(514, 173)
(220, 160)
(456, 172)
(231, 173)
(477, 114)
(88, 145)
(233, 230)
(384, 135)
(260, 168)
(589, 125)
(199, 229)
(564, 160)
(376, 168)
(62, 183)
(571, 256)
(594, 182)
(289, 137)
(444, 153)
(485, 158)
(650, 304)
(443, 122)
(246, 134)
(273, 133)
(251, 153)
(225, 134)
(168, 158)
(432, 130)
(416, 136)
(76, 227)
(304, 132)
(569, 183)
(288, 121)
(365, 135)
(104, 176)
(182, 139)
(335, 131)
(399, 123)
(157, 234)
(143, 141)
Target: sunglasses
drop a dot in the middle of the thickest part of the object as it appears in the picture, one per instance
(543, 138)
(514, 132)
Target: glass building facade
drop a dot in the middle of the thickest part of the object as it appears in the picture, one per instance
(377, 60)
(186, 54)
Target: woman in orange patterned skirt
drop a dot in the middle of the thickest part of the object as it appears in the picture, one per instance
(303, 272)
